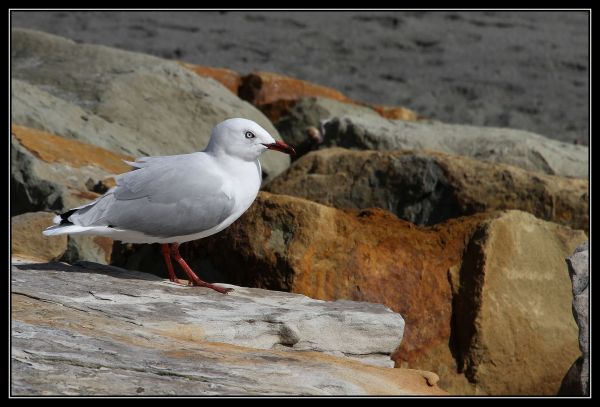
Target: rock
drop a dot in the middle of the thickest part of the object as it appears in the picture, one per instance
(51, 148)
(228, 78)
(497, 145)
(579, 272)
(27, 239)
(37, 109)
(51, 173)
(152, 106)
(261, 88)
(311, 112)
(427, 187)
(512, 332)
(577, 379)
(114, 331)
(395, 112)
(269, 320)
(275, 95)
(423, 273)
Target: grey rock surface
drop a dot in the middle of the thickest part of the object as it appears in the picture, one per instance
(577, 379)
(34, 107)
(31, 190)
(249, 317)
(132, 103)
(523, 149)
(100, 330)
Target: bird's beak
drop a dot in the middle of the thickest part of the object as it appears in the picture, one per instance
(281, 146)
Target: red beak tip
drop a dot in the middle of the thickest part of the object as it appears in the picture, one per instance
(282, 147)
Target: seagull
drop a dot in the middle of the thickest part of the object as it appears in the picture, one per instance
(179, 198)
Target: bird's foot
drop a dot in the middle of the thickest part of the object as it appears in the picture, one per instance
(173, 251)
(177, 281)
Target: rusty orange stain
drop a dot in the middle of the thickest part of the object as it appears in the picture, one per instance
(52, 148)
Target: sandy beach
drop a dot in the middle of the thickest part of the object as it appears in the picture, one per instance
(524, 70)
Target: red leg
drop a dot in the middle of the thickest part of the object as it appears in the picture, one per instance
(167, 254)
(194, 279)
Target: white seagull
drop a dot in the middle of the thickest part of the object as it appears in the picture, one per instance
(178, 198)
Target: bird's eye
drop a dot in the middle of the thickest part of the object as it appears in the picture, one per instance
(249, 134)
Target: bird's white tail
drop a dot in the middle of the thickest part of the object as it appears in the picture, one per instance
(66, 229)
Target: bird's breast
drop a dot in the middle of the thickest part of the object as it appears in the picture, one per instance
(243, 186)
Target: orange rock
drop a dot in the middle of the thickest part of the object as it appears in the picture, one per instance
(228, 78)
(260, 88)
(394, 112)
(109, 182)
(274, 111)
(104, 245)
(52, 148)
(272, 92)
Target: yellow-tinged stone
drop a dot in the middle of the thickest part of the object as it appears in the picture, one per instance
(27, 239)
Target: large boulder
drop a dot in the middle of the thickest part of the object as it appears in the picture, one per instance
(142, 105)
(112, 331)
(520, 148)
(513, 334)
(577, 379)
(427, 187)
(52, 173)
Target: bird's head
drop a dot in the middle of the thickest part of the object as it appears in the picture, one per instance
(244, 139)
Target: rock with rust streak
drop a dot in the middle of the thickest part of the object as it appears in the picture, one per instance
(275, 94)
(395, 112)
(260, 88)
(228, 78)
(429, 187)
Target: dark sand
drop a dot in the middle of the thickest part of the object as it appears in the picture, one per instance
(525, 70)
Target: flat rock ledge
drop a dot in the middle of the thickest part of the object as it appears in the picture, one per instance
(101, 330)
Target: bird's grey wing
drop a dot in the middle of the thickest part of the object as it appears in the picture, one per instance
(166, 197)
(142, 162)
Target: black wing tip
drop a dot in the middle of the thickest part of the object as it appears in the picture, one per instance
(64, 217)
